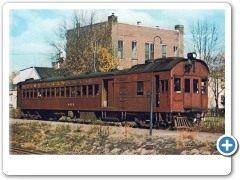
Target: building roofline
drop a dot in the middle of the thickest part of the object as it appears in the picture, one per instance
(33, 67)
(150, 27)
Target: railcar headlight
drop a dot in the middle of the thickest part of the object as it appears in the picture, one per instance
(192, 55)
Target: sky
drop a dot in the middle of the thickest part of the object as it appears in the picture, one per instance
(31, 27)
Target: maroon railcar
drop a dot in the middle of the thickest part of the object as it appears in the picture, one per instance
(174, 90)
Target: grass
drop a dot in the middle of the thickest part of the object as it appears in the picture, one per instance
(98, 139)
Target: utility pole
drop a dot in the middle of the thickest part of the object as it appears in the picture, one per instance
(152, 88)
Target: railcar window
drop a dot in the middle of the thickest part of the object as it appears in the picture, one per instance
(39, 94)
(166, 81)
(73, 93)
(84, 90)
(62, 91)
(35, 93)
(187, 86)
(78, 91)
(96, 89)
(43, 92)
(48, 92)
(30, 93)
(23, 94)
(164, 85)
(203, 84)
(195, 85)
(177, 85)
(90, 90)
(57, 92)
(52, 92)
(27, 94)
(67, 91)
(140, 88)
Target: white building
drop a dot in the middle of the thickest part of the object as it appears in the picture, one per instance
(12, 96)
(34, 73)
(28, 73)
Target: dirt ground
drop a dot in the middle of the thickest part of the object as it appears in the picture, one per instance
(89, 139)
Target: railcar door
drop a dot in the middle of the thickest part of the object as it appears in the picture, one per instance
(192, 94)
(108, 93)
(163, 95)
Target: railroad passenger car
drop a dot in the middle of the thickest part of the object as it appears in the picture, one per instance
(174, 90)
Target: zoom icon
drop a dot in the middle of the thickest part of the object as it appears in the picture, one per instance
(227, 145)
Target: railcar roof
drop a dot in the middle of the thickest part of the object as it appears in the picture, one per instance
(157, 65)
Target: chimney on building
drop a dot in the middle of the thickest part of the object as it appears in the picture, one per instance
(112, 19)
(78, 25)
(180, 29)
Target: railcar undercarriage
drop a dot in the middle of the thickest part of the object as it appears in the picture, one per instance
(160, 120)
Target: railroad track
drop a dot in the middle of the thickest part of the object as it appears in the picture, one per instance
(15, 150)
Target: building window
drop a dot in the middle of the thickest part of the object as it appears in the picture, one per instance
(134, 50)
(164, 51)
(175, 51)
(149, 51)
(177, 85)
(120, 49)
(140, 88)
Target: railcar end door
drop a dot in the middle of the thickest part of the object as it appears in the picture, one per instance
(192, 94)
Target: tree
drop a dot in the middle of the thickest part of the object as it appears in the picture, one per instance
(217, 79)
(12, 76)
(210, 48)
(87, 47)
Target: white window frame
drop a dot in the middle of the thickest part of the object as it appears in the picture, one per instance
(120, 50)
(149, 51)
(134, 50)
(164, 53)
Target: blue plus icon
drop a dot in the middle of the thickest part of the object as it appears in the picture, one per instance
(227, 145)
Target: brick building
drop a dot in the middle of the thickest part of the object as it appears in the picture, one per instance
(134, 44)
